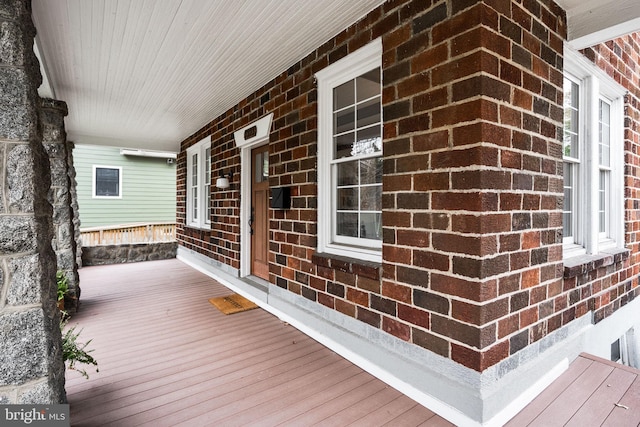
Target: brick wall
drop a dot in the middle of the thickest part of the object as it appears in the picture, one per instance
(472, 180)
(472, 189)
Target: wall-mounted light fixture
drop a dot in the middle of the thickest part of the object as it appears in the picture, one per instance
(223, 181)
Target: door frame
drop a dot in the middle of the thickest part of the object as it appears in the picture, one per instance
(249, 137)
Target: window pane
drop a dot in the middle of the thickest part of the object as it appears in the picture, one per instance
(257, 162)
(368, 141)
(107, 182)
(567, 216)
(344, 120)
(371, 171)
(194, 204)
(571, 119)
(602, 198)
(604, 149)
(347, 224)
(344, 145)
(371, 226)
(207, 166)
(347, 173)
(343, 95)
(194, 170)
(371, 198)
(348, 198)
(368, 85)
(369, 112)
(265, 166)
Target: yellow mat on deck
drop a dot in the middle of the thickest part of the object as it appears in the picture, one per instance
(232, 304)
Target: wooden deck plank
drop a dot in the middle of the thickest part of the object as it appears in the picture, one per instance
(167, 357)
(164, 385)
(221, 374)
(569, 402)
(217, 397)
(210, 395)
(292, 393)
(437, 421)
(586, 394)
(164, 362)
(358, 409)
(319, 414)
(411, 417)
(628, 414)
(284, 415)
(385, 413)
(526, 416)
(602, 402)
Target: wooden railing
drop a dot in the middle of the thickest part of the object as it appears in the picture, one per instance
(128, 234)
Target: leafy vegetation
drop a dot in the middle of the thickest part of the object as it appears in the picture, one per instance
(73, 352)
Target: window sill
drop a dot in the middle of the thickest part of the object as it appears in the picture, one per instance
(198, 227)
(368, 269)
(583, 264)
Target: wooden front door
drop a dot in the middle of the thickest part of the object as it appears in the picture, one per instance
(259, 222)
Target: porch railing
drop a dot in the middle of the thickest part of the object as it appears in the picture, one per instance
(128, 234)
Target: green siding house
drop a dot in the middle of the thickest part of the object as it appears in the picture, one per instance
(118, 186)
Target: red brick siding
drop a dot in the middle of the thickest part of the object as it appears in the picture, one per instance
(472, 189)
(473, 163)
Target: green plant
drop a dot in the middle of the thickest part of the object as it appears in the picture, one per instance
(63, 284)
(74, 352)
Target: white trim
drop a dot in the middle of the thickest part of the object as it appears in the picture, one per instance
(199, 150)
(246, 145)
(594, 85)
(93, 182)
(357, 63)
(263, 128)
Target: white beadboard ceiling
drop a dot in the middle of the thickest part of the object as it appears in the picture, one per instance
(595, 21)
(148, 73)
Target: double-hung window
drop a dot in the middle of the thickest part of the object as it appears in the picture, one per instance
(199, 184)
(593, 159)
(350, 155)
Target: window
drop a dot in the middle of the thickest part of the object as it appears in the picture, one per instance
(350, 155)
(592, 159)
(107, 182)
(199, 184)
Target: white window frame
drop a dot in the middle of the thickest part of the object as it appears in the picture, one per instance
(595, 85)
(93, 182)
(202, 219)
(348, 68)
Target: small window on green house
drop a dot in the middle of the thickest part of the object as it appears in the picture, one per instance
(107, 182)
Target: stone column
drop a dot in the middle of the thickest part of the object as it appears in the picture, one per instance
(31, 367)
(64, 244)
(74, 204)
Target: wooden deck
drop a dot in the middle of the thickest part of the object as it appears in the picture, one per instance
(592, 392)
(167, 357)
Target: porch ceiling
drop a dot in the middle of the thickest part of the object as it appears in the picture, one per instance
(148, 73)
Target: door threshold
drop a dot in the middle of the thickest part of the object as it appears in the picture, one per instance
(256, 282)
